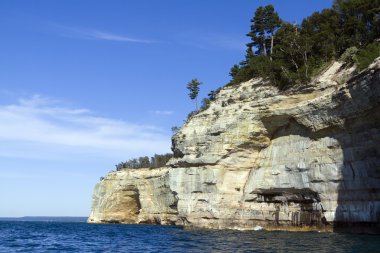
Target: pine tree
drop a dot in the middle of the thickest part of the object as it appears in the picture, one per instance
(257, 33)
(264, 25)
(271, 24)
(234, 70)
(193, 87)
(361, 19)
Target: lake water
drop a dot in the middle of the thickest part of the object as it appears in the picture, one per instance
(37, 236)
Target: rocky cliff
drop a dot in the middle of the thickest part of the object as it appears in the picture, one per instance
(308, 157)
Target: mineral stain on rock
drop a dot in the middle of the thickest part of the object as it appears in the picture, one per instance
(305, 159)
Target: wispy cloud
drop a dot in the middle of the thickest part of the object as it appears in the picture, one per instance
(159, 112)
(114, 37)
(44, 128)
(95, 34)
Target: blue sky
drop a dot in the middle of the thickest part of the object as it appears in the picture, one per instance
(86, 84)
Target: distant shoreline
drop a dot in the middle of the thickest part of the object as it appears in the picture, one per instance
(46, 218)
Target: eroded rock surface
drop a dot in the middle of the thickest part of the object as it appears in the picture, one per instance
(258, 156)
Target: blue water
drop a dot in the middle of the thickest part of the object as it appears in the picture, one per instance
(32, 236)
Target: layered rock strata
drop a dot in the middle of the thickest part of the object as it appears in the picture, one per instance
(258, 156)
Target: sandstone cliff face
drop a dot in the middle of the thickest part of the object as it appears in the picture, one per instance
(135, 196)
(258, 156)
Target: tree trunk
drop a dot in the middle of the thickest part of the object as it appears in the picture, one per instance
(294, 63)
(271, 46)
(196, 104)
(265, 48)
(306, 65)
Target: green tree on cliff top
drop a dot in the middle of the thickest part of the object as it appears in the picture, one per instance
(264, 25)
(193, 87)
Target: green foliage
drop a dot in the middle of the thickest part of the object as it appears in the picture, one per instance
(264, 24)
(205, 104)
(175, 130)
(257, 33)
(234, 70)
(191, 114)
(292, 57)
(366, 55)
(212, 95)
(244, 74)
(289, 54)
(360, 21)
(144, 162)
(193, 87)
(349, 56)
(321, 31)
(155, 161)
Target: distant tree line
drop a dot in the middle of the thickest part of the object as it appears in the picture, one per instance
(288, 54)
(155, 161)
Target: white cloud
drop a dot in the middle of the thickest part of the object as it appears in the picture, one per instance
(159, 112)
(114, 37)
(94, 34)
(44, 128)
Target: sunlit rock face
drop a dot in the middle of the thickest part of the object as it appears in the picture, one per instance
(135, 196)
(309, 156)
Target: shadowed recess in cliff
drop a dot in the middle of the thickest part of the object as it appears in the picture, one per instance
(310, 212)
(358, 207)
(307, 208)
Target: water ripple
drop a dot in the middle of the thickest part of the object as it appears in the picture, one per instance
(17, 236)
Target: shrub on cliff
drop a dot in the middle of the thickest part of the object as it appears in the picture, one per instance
(349, 56)
(155, 161)
(366, 55)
